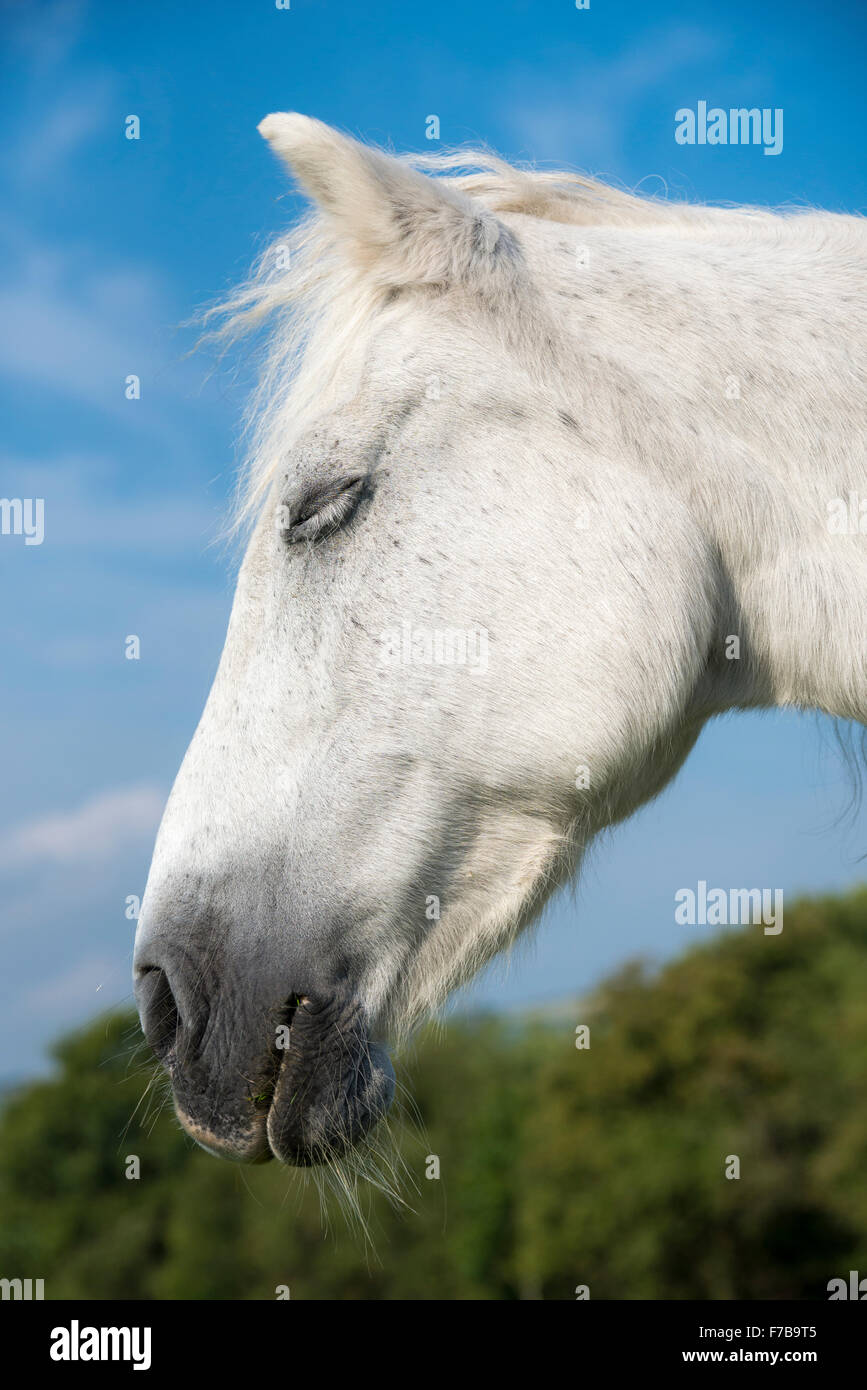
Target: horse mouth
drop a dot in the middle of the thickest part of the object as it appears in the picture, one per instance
(332, 1085)
(263, 1098)
(323, 1087)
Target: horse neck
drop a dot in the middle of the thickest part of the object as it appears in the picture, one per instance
(747, 352)
(783, 475)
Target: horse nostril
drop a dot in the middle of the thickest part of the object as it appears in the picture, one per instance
(160, 1019)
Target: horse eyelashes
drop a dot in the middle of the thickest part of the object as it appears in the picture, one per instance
(320, 514)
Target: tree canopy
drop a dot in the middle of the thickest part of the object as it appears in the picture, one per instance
(608, 1165)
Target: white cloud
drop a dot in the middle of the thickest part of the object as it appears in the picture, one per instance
(77, 329)
(91, 832)
(80, 317)
(45, 35)
(65, 129)
(586, 112)
(84, 510)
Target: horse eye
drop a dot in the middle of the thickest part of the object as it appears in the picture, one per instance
(322, 513)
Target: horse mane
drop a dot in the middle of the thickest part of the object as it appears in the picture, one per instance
(562, 195)
(318, 305)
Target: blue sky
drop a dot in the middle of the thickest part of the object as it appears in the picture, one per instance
(109, 245)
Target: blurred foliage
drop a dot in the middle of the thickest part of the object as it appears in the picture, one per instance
(559, 1166)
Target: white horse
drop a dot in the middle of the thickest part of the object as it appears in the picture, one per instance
(543, 476)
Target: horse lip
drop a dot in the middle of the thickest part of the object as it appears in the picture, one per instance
(281, 1063)
(279, 1053)
(238, 1148)
(330, 1085)
(319, 1088)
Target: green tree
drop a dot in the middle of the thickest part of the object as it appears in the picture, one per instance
(558, 1166)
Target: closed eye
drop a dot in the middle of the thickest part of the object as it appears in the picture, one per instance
(321, 513)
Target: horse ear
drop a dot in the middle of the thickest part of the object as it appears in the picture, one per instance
(404, 227)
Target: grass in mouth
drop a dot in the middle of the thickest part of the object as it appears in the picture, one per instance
(262, 1099)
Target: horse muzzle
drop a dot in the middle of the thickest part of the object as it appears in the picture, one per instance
(300, 1080)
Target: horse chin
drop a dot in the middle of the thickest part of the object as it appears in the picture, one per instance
(250, 1146)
